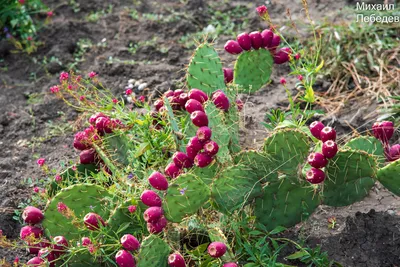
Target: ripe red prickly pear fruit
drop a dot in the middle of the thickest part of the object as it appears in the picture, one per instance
(394, 152)
(317, 160)
(60, 245)
(45, 253)
(87, 156)
(383, 130)
(86, 241)
(182, 160)
(172, 170)
(92, 220)
(176, 260)
(34, 248)
(221, 101)
(193, 105)
(316, 128)
(282, 55)
(315, 176)
(125, 259)
(211, 148)
(195, 143)
(130, 243)
(28, 231)
(204, 134)
(202, 160)
(169, 93)
(153, 214)
(35, 262)
(239, 104)
(244, 41)
(94, 117)
(183, 98)
(103, 125)
(32, 215)
(216, 249)
(158, 181)
(81, 141)
(256, 40)
(158, 104)
(228, 75)
(150, 198)
(267, 36)
(198, 95)
(230, 264)
(158, 226)
(233, 47)
(329, 149)
(328, 133)
(276, 41)
(199, 118)
(178, 92)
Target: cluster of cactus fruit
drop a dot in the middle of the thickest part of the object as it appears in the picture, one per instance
(210, 172)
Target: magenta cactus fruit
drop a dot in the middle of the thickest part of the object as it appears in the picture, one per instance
(125, 259)
(256, 40)
(34, 247)
(228, 75)
(233, 47)
(282, 55)
(172, 170)
(244, 40)
(216, 249)
(169, 93)
(315, 176)
(85, 241)
(211, 148)
(199, 118)
(221, 101)
(87, 156)
(158, 226)
(193, 105)
(176, 260)
(158, 181)
(81, 141)
(153, 214)
(92, 221)
(103, 125)
(130, 243)
(230, 264)
(329, 149)
(182, 160)
(35, 262)
(267, 36)
(317, 160)
(316, 128)
(198, 95)
(195, 143)
(178, 92)
(204, 134)
(202, 160)
(45, 253)
(94, 117)
(394, 152)
(30, 232)
(239, 104)
(183, 98)
(150, 198)
(383, 130)
(275, 42)
(328, 133)
(60, 245)
(32, 215)
(158, 104)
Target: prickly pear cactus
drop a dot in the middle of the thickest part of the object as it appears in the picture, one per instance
(206, 174)
(205, 70)
(185, 196)
(388, 176)
(261, 164)
(153, 252)
(369, 144)
(350, 176)
(253, 70)
(80, 200)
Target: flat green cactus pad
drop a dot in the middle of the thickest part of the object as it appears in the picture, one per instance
(252, 70)
(235, 187)
(153, 252)
(349, 177)
(80, 199)
(117, 148)
(262, 165)
(389, 177)
(370, 144)
(285, 204)
(206, 174)
(205, 70)
(184, 197)
(232, 122)
(83, 259)
(288, 149)
(122, 222)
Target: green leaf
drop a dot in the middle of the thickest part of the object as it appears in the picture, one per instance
(255, 232)
(277, 230)
(297, 255)
(141, 149)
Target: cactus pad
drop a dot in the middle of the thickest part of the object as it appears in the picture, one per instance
(80, 199)
(253, 70)
(235, 187)
(185, 195)
(349, 177)
(206, 174)
(370, 144)
(388, 176)
(205, 70)
(285, 204)
(116, 147)
(288, 149)
(153, 252)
